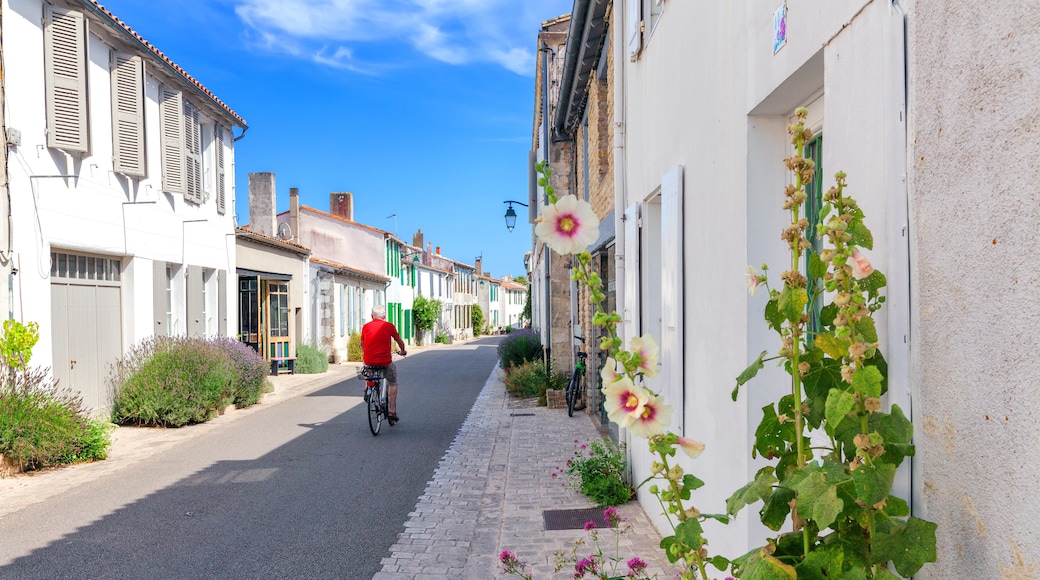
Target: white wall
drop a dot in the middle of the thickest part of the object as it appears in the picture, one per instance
(717, 103)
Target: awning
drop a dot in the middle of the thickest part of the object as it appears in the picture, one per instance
(264, 275)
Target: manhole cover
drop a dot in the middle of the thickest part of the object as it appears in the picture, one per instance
(521, 414)
(573, 519)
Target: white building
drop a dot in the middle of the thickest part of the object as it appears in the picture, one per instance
(513, 298)
(936, 131)
(121, 184)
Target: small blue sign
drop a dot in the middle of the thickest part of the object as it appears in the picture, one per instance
(780, 28)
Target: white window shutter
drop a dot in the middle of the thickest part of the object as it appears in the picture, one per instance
(630, 315)
(219, 144)
(65, 74)
(634, 27)
(127, 114)
(192, 154)
(672, 292)
(171, 108)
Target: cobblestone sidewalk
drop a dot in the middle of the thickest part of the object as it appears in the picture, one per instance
(489, 492)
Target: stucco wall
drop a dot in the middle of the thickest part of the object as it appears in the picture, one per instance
(974, 125)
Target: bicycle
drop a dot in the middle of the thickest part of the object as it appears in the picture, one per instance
(375, 396)
(576, 386)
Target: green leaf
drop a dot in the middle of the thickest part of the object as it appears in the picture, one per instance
(763, 566)
(873, 482)
(817, 268)
(896, 507)
(884, 574)
(874, 282)
(867, 382)
(773, 315)
(776, 509)
(759, 489)
(819, 562)
(835, 347)
(749, 373)
(839, 404)
(771, 436)
(861, 236)
(719, 562)
(855, 574)
(666, 545)
(690, 533)
(717, 517)
(792, 303)
(817, 498)
(866, 330)
(827, 315)
(691, 482)
(908, 547)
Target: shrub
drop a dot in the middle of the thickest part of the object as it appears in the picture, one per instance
(425, 311)
(42, 425)
(477, 318)
(354, 352)
(249, 372)
(597, 470)
(519, 347)
(171, 381)
(17, 343)
(442, 338)
(529, 380)
(310, 360)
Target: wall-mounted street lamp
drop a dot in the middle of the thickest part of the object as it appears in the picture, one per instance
(511, 214)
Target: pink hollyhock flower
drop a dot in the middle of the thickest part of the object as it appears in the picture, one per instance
(861, 267)
(752, 281)
(569, 226)
(655, 416)
(609, 372)
(645, 348)
(691, 448)
(624, 401)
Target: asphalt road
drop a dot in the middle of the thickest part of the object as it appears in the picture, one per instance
(300, 490)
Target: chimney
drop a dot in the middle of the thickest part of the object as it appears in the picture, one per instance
(480, 270)
(429, 252)
(294, 213)
(417, 239)
(342, 205)
(262, 203)
(438, 250)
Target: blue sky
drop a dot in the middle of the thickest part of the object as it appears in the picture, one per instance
(420, 108)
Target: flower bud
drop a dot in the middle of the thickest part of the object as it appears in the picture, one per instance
(826, 255)
(803, 367)
(842, 299)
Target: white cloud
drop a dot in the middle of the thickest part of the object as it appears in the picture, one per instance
(456, 32)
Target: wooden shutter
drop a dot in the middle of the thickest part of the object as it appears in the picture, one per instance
(193, 306)
(159, 297)
(127, 114)
(218, 142)
(672, 293)
(222, 325)
(65, 73)
(634, 27)
(171, 108)
(631, 272)
(192, 154)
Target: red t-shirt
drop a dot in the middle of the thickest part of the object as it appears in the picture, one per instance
(375, 342)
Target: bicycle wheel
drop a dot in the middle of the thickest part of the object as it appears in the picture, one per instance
(579, 393)
(375, 411)
(572, 392)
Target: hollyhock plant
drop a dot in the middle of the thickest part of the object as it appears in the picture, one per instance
(652, 420)
(645, 348)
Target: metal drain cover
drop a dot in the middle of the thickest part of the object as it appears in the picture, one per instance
(521, 414)
(573, 519)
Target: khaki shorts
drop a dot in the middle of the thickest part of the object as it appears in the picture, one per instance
(391, 375)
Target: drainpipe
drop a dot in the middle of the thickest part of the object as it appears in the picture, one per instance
(545, 199)
(6, 251)
(620, 194)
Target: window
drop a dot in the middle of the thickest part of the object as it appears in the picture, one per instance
(344, 307)
(192, 153)
(813, 204)
(65, 77)
(79, 267)
(171, 108)
(169, 299)
(279, 311)
(127, 114)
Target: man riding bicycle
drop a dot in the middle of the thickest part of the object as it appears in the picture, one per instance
(375, 346)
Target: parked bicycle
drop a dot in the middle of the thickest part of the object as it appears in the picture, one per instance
(576, 387)
(375, 396)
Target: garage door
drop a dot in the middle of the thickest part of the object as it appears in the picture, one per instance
(86, 314)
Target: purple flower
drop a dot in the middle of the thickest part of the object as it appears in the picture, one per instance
(610, 514)
(590, 525)
(506, 555)
(636, 566)
(585, 566)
